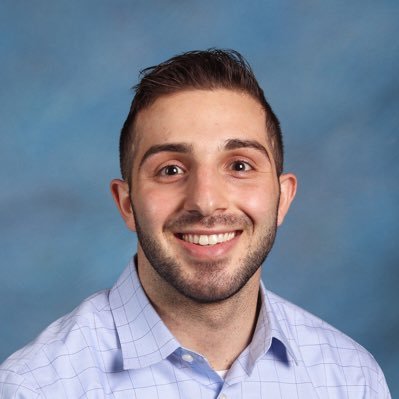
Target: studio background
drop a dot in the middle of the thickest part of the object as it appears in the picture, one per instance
(330, 71)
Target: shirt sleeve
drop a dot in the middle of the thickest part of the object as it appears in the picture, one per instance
(383, 387)
(14, 386)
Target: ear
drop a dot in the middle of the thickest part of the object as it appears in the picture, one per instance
(288, 184)
(120, 193)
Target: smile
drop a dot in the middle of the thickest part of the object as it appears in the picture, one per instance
(208, 239)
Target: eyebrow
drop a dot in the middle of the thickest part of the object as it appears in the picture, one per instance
(234, 144)
(170, 147)
(183, 148)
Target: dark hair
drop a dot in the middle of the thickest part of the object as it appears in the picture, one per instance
(203, 70)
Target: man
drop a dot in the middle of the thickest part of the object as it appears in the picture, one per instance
(202, 159)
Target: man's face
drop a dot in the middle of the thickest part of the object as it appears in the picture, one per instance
(204, 191)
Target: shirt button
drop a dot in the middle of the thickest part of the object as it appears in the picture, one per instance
(223, 396)
(187, 358)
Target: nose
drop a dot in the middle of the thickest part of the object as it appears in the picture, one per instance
(206, 193)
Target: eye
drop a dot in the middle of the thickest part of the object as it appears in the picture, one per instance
(171, 170)
(241, 166)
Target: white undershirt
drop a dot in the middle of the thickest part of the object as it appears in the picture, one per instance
(222, 373)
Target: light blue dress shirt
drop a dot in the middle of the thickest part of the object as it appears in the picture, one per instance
(114, 345)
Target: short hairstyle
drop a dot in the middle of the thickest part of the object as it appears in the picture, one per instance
(203, 70)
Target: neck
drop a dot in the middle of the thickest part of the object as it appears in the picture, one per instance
(220, 331)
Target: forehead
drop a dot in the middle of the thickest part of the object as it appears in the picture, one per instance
(201, 118)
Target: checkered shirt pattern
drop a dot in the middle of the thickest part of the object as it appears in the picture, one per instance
(115, 346)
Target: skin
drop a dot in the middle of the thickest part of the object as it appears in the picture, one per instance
(203, 165)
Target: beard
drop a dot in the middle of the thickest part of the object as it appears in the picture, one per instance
(211, 281)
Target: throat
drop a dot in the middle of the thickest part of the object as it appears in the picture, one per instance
(219, 332)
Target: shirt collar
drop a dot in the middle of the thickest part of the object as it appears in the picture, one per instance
(145, 339)
(271, 326)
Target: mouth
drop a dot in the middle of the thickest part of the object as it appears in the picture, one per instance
(208, 239)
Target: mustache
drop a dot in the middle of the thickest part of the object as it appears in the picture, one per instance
(197, 219)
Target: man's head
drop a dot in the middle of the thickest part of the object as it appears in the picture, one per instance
(202, 70)
(202, 186)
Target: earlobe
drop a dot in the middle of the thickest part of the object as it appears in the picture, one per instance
(288, 185)
(121, 195)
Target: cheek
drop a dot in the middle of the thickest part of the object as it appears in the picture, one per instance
(154, 206)
(258, 201)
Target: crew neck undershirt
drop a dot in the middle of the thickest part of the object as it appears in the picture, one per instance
(222, 373)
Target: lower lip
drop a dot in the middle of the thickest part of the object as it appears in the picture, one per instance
(208, 251)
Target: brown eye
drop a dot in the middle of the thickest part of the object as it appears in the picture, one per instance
(241, 166)
(171, 170)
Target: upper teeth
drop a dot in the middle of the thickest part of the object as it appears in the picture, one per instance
(211, 239)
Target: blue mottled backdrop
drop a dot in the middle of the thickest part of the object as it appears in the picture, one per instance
(330, 69)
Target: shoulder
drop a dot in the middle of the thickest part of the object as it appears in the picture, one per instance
(313, 336)
(64, 347)
(324, 350)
